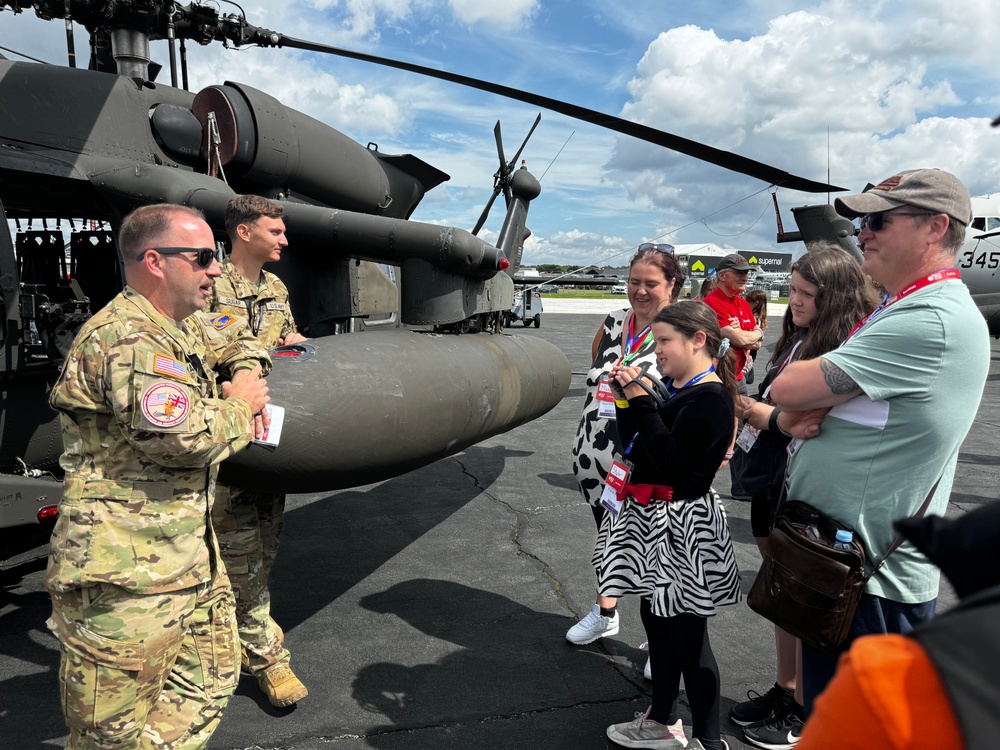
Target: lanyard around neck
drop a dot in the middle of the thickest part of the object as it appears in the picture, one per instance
(635, 342)
(934, 278)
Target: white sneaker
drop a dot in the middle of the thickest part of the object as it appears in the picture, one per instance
(593, 626)
(647, 671)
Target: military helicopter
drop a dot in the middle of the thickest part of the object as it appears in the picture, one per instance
(88, 146)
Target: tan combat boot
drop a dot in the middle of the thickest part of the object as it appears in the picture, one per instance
(282, 687)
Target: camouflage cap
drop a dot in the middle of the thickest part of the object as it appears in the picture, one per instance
(930, 189)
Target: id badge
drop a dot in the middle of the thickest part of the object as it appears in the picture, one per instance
(748, 437)
(617, 478)
(793, 447)
(605, 399)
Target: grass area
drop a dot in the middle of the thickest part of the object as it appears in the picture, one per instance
(585, 294)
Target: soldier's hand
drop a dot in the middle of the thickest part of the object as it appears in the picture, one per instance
(249, 386)
(292, 338)
(261, 423)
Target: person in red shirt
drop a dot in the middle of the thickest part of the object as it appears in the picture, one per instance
(735, 316)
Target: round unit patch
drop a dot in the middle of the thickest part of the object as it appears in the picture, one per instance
(165, 404)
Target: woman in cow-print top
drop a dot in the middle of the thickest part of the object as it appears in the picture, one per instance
(655, 280)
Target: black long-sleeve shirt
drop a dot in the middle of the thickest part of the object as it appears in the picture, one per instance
(684, 443)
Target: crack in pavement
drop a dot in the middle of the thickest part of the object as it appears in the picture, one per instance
(522, 521)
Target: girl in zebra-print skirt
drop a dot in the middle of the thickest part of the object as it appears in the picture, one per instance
(668, 540)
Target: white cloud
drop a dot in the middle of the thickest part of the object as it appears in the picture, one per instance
(883, 85)
(301, 84)
(511, 14)
(568, 248)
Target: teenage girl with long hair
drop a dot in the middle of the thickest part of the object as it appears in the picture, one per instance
(828, 296)
(666, 539)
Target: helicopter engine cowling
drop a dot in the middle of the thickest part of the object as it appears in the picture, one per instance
(366, 408)
(267, 143)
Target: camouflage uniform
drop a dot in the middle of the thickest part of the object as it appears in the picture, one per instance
(249, 523)
(142, 610)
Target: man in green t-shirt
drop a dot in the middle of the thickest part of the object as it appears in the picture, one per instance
(896, 399)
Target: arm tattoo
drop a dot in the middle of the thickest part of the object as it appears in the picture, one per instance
(838, 381)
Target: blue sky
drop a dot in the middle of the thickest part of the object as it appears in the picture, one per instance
(889, 86)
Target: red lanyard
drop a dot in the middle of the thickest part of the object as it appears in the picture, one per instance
(632, 342)
(934, 278)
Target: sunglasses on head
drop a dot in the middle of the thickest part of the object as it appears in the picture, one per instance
(877, 222)
(660, 248)
(205, 255)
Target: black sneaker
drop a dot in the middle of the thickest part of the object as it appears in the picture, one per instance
(780, 732)
(761, 707)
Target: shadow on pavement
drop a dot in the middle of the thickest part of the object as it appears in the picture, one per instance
(332, 544)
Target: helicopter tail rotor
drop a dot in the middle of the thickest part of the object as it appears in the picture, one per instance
(504, 175)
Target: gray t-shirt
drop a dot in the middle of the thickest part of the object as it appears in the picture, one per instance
(922, 365)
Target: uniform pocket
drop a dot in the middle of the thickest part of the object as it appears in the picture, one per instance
(98, 681)
(217, 642)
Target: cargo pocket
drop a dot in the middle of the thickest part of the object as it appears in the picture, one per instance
(97, 682)
(217, 643)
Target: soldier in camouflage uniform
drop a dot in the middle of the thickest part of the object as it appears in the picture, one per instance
(142, 608)
(249, 522)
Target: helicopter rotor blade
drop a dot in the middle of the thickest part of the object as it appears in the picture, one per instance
(513, 162)
(710, 154)
(499, 137)
(486, 211)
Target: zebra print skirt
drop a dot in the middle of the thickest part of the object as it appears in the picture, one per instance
(677, 554)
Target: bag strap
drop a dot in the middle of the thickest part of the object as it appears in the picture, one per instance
(899, 537)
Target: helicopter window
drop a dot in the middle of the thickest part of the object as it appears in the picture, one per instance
(978, 222)
(992, 222)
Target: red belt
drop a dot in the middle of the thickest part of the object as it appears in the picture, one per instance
(643, 493)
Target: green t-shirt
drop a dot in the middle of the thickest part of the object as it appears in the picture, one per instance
(922, 365)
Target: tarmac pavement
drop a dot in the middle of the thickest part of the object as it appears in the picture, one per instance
(430, 610)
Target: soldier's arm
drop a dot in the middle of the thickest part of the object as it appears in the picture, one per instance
(231, 345)
(289, 331)
(166, 418)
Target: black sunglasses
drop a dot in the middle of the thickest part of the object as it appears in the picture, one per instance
(205, 254)
(876, 222)
(660, 248)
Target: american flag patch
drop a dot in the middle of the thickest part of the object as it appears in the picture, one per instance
(222, 321)
(170, 367)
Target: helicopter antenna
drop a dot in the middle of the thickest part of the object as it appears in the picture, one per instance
(556, 157)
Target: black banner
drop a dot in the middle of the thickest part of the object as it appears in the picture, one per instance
(700, 266)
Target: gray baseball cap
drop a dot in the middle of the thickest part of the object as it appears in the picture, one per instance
(930, 189)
